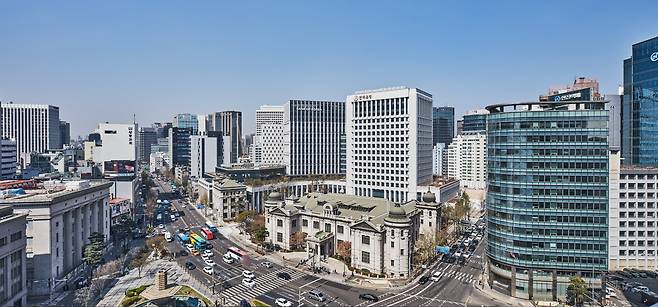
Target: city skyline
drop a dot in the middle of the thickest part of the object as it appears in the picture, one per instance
(79, 57)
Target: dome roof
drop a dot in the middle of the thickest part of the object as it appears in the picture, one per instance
(429, 197)
(397, 214)
(275, 196)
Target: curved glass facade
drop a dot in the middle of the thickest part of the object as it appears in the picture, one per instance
(547, 198)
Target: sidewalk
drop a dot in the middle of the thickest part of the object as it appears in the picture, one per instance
(488, 295)
(175, 275)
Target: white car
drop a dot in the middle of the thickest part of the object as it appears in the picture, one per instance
(208, 253)
(228, 259)
(183, 205)
(173, 217)
(204, 257)
(209, 262)
(248, 274)
(248, 282)
(282, 302)
(161, 226)
(208, 270)
(266, 264)
(436, 276)
(189, 246)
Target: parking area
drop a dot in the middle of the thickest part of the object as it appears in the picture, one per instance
(639, 287)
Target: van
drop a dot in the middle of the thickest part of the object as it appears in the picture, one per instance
(315, 294)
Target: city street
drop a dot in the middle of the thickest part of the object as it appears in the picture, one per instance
(454, 287)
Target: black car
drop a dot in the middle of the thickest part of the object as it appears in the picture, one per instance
(423, 280)
(244, 303)
(283, 275)
(183, 253)
(451, 259)
(368, 297)
(190, 265)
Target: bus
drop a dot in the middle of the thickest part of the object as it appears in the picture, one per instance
(198, 242)
(168, 236)
(184, 239)
(206, 233)
(235, 253)
(212, 227)
(159, 218)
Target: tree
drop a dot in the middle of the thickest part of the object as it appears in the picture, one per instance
(577, 290)
(158, 245)
(93, 253)
(244, 216)
(139, 260)
(344, 251)
(297, 239)
(257, 230)
(203, 198)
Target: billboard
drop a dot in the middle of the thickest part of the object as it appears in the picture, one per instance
(118, 168)
(582, 94)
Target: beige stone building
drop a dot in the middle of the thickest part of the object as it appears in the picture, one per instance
(382, 234)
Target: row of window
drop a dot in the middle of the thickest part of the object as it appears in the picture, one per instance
(639, 186)
(558, 138)
(633, 214)
(640, 224)
(548, 231)
(566, 191)
(578, 166)
(584, 178)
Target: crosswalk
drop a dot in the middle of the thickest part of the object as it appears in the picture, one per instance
(264, 284)
(458, 275)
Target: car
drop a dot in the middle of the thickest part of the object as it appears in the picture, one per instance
(424, 279)
(228, 259)
(195, 252)
(368, 297)
(176, 214)
(181, 230)
(172, 217)
(244, 303)
(282, 302)
(190, 265)
(204, 257)
(161, 226)
(266, 264)
(208, 270)
(189, 246)
(472, 248)
(81, 282)
(183, 253)
(283, 275)
(184, 206)
(208, 253)
(248, 274)
(186, 229)
(315, 294)
(436, 276)
(466, 255)
(209, 262)
(248, 282)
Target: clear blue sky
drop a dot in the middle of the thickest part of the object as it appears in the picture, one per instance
(104, 61)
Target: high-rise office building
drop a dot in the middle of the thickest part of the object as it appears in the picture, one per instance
(64, 132)
(202, 124)
(268, 115)
(443, 125)
(314, 137)
(231, 127)
(206, 153)
(7, 158)
(639, 112)
(268, 142)
(439, 160)
(460, 126)
(547, 196)
(187, 120)
(146, 137)
(117, 142)
(467, 159)
(34, 127)
(475, 121)
(389, 143)
(179, 146)
(162, 129)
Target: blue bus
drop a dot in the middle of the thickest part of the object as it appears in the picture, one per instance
(184, 239)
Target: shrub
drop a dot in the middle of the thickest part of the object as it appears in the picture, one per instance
(136, 291)
(127, 301)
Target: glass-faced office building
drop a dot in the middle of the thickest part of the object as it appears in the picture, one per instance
(547, 198)
(443, 125)
(640, 105)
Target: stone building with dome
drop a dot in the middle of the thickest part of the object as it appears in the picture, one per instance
(382, 234)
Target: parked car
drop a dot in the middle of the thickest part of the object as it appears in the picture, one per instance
(209, 262)
(208, 253)
(368, 297)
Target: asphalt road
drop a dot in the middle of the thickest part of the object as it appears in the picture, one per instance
(268, 286)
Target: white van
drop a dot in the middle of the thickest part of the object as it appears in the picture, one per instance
(168, 236)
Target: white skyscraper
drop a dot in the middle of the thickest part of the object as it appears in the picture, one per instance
(206, 153)
(268, 140)
(34, 127)
(439, 159)
(118, 142)
(389, 143)
(314, 137)
(467, 159)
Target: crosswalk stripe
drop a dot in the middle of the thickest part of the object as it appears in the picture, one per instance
(263, 285)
